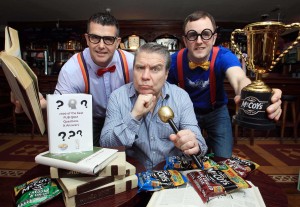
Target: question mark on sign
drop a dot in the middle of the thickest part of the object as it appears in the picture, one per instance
(63, 134)
(79, 132)
(60, 103)
(73, 134)
(84, 102)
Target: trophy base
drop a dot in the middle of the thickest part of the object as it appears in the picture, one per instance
(255, 98)
(253, 123)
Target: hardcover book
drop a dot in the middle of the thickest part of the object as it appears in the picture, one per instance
(86, 162)
(130, 169)
(116, 167)
(75, 186)
(112, 188)
(21, 79)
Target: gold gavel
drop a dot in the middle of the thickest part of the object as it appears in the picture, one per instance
(166, 114)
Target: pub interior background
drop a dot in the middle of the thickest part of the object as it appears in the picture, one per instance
(51, 31)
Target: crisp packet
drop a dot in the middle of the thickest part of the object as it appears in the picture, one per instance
(186, 163)
(242, 166)
(35, 192)
(160, 179)
(208, 163)
(215, 181)
(179, 163)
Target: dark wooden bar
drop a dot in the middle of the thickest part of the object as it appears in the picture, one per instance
(44, 36)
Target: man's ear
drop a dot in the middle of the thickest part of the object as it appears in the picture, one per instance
(118, 41)
(184, 41)
(215, 38)
(167, 73)
(87, 39)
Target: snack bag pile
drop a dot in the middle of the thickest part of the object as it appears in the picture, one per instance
(242, 166)
(160, 179)
(216, 178)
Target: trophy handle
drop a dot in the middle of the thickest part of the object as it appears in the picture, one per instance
(235, 47)
(289, 26)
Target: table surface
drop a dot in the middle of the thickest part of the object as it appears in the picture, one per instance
(271, 192)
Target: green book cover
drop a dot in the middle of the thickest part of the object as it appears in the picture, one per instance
(74, 157)
(88, 162)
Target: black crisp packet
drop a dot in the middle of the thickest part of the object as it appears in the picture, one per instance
(36, 191)
(179, 163)
(186, 163)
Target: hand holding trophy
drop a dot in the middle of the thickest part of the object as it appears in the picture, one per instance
(262, 42)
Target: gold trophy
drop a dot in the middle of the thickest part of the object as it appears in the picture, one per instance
(262, 42)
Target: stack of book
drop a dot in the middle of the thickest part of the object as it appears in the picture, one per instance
(81, 187)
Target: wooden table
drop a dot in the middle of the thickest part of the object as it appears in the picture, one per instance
(271, 192)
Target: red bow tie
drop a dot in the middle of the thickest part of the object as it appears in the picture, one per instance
(110, 69)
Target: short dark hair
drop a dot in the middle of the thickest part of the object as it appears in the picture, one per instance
(153, 47)
(104, 19)
(199, 15)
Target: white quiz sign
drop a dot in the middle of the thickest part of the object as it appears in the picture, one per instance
(70, 125)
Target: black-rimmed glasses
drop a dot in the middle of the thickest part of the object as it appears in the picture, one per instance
(95, 39)
(206, 34)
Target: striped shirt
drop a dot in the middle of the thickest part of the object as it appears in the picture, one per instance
(148, 139)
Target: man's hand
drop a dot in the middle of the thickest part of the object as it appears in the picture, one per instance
(143, 104)
(18, 106)
(43, 101)
(186, 141)
(274, 110)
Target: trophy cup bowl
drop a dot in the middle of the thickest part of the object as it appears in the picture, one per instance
(262, 42)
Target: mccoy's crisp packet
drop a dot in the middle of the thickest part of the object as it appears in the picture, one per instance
(160, 179)
(35, 192)
(186, 163)
(216, 181)
(242, 166)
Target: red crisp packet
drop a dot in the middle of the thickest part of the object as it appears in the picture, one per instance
(242, 166)
(203, 186)
(215, 181)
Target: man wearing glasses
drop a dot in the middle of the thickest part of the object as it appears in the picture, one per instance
(99, 69)
(201, 69)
